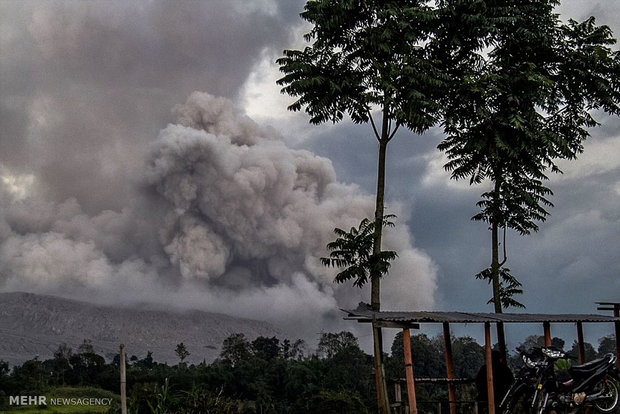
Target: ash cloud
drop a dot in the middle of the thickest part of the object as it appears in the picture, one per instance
(95, 81)
(223, 217)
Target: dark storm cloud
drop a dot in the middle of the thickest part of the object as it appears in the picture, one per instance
(85, 85)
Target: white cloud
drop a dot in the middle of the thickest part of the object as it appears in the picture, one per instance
(600, 156)
(18, 185)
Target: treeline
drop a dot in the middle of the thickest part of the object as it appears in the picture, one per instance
(265, 375)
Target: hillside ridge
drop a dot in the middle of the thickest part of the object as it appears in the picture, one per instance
(36, 325)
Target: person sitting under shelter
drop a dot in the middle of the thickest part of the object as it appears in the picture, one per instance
(502, 378)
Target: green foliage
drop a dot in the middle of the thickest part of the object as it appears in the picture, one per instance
(432, 365)
(353, 250)
(508, 288)
(235, 348)
(468, 357)
(165, 400)
(332, 344)
(590, 352)
(338, 378)
(364, 54)
(30, 376)
(607, 345)
(327, 402)
(61, 363)
(181, 351)
(266, 348)
(519, 103)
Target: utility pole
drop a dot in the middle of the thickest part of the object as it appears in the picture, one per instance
(123, 381)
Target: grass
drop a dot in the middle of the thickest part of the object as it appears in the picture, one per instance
(69, 392)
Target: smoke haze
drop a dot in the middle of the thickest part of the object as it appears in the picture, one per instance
(224, 217)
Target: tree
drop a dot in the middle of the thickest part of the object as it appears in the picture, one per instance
(86, 366)
(332, 344)
(236, 348)
(430, 361)
(61, 362)
(266, 348)
(293, 351)
(469, 356)
(347, 365)
(607, 345)
(353, 250)
(523, 105)
(590, 352)
(181, 351)
(364, 56)
(86, 347)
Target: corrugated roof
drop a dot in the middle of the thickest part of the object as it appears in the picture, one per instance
(364, 314)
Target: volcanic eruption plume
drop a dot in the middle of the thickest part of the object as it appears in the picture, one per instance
(223, 217)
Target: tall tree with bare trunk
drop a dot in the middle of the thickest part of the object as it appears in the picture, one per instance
(367, 59)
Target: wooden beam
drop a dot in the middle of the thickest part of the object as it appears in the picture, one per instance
(413, 408)
(397, 325)
(489, 362)
(447, 341)
(580, 345)
(547, 330)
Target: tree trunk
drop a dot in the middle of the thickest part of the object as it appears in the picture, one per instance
(495, 267)
(375, 277)
(495, 248)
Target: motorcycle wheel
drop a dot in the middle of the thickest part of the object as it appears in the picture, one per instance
(610, 403)
(519, 402)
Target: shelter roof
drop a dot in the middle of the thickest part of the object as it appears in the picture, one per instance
(411, 318)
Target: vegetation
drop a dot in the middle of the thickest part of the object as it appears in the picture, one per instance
(511, 84)
(521, 101)
(365, 58)
(181, 351)
(353, 250)
(266, 375)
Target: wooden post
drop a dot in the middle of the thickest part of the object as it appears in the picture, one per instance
(617, 326)
(489, 361)
(580, 345)
(547, 330)
(447, 341)
(398, 399)
(413, 409)
(123, 380)
(397, 392)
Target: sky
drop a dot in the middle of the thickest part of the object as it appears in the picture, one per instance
(147, 155)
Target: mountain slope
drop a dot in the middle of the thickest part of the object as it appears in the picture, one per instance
(32, 325)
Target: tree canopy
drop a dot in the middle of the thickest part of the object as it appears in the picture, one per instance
(523, 102)
(365, 55)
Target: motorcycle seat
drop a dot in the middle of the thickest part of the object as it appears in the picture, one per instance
(589, 366)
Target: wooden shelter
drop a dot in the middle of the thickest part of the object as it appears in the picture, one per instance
(413, 320)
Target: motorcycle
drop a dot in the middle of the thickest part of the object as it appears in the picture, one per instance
(570, 388)
(523, 391)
